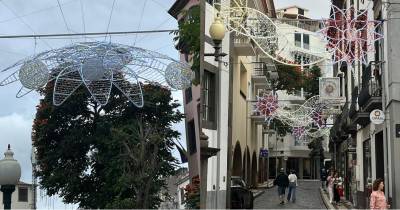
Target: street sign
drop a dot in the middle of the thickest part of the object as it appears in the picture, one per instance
(263, 152)
(377, 116)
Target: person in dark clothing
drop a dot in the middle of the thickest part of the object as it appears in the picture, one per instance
(282, 181)
(336, 196)
(323, 178)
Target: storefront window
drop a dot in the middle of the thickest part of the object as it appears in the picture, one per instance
(367, 170)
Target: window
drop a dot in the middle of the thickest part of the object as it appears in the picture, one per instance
(243, 81)
(209, 96)
(306, 41)
(22, 194)
(188, 95)
(367, 163)
(182, 194)
(301, 11)
(297, 39)
(192, 137)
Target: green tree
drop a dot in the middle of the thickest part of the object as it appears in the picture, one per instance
(188, 38)
(290, 78)
(112, 156)
(311, 81)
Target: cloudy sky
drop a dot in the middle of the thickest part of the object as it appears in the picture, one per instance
(45, 17)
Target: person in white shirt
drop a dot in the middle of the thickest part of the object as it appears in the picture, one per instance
(292, 186)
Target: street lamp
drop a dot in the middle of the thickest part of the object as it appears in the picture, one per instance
(217, 33)
(10, 172)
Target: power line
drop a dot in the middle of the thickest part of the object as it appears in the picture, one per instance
(34, 12)
(22, 20)
(109, 19)
(140, 22)
(86, 34)
(83, 18)
(63, 16)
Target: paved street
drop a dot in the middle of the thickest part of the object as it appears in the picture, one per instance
(307, 197)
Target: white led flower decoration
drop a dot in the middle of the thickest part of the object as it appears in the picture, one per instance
(98, 66)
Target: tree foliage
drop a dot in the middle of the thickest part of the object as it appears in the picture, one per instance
(311, 81)
(112, 156)
(316, 147)
(192, 194)
(188, 37)
(290, 78)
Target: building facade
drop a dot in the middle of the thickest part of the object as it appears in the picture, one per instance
(191, 95)
(22, 198)
(229, 92)
(290, 152)
(364, 151)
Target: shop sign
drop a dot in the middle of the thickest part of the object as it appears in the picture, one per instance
(263, 152)
(377, 116)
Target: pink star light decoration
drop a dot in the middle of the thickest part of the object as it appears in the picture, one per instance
(350, 34)
(267, 105)
(298, 131)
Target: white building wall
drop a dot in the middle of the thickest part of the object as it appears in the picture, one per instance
(217, 165)
(181, 193)
(15, 204)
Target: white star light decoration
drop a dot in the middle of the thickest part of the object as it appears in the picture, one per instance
(350, 34)
(98, 66)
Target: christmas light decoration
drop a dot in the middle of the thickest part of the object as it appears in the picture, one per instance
(98, 66)
(267, 105)
(305, 120)
(273, 37)
(350, 34)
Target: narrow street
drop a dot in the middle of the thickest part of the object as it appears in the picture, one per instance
(307, 197)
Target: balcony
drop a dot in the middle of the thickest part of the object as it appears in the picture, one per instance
(346, 124)
(357, 116)
(259, 74)
(244, 46)
(370, 97)
(255, 115)
(306, 24)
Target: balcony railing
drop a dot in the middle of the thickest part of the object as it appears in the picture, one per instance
(259, 69)
(306, 24)
(370, 94)
(244, 45)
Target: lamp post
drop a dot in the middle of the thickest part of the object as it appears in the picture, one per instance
(217, 33)
(10, 172)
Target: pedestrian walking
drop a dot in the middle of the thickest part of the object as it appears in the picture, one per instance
(282, 181)
(292, 186)
(378, 199)
(330, 185)
(323, 178)
(336, 182)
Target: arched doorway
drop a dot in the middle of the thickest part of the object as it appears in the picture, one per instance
(261, 172)
(254, 170)
(246, 166)
(237, 161)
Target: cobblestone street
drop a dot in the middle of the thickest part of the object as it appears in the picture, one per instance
(307, 197)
